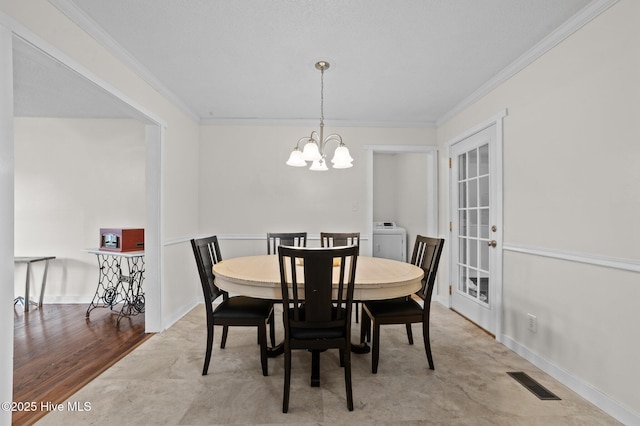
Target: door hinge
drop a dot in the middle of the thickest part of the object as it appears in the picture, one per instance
(450, 162)
(450, 226)
(450, 289)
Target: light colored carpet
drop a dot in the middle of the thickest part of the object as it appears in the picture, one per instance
(160, 383)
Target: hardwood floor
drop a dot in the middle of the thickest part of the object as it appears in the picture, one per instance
(57, 351)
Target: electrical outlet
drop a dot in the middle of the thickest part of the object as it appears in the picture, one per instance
(532, 323)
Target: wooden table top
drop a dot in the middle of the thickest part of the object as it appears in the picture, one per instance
(376, 278)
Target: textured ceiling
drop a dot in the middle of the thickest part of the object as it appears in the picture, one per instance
(406, 62)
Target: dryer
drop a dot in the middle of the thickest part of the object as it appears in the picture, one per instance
(389, 241)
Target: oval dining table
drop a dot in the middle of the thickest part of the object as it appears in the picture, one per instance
(376, 279)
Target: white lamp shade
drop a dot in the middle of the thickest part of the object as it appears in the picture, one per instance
(318, 166)
(295, 159)
(311, 152)
(345, 165)
(341, 158)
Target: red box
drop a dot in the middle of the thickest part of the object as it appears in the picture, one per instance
(122, 239)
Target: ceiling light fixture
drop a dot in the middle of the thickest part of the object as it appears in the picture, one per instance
(315, 144)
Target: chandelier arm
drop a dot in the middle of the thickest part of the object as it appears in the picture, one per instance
(334, 137)
(315, 137)
(300, 140)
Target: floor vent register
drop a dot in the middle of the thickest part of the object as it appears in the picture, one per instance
(536, 388)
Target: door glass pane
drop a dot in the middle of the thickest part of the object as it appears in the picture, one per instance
(484, 159)
(483, 189)
(473, 223)
(472, 287)
(462, 166)
(462, 194)
(462, 279)
(463, 250)
(484, 256)
(473, 163)
(463, 223)
(473, 193)
(484, 289)
(484, 223)
(473, 253)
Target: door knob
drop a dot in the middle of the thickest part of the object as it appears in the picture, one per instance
(492, 243)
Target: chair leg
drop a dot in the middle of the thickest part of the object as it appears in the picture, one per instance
(272, 329)
(357, 310)
(427, 343)
(225, 331)
(287, 379)
(375, 351)
(365, 327)
(262, 337)
(207, 356)
(409, 333)
(347, 378)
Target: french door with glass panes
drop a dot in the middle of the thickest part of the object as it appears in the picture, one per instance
(474, 228)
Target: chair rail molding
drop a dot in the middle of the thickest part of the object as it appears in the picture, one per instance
(239, 237)
(591, 259)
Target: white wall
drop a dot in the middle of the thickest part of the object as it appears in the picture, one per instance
(248, 190)
(73, 177)
(571, 174)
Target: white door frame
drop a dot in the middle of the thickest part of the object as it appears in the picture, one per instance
(431, 184)
(497, 206)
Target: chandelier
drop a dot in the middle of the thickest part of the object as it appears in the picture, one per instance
(314, 148)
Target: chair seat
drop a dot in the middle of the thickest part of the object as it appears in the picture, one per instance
(316, 333)
(401, 307)
(311, 333)
(242, 307)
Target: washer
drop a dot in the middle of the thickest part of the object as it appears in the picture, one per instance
(389, 241)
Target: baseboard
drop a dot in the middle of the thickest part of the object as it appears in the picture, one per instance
(64, 300)
(179, 313)
(86, 300)
(585, 390)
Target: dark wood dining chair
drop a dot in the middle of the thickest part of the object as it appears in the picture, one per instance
(405, 310)
(316, 317)
(336, 239)
(294, 239)
(241, 311)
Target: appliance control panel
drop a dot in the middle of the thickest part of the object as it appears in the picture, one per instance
(384, 225)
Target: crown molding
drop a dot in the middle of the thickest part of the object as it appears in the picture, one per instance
(76, 15)
(305, 122)
(587, 14)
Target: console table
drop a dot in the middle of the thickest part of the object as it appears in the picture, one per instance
(119, 282)
(29, 261)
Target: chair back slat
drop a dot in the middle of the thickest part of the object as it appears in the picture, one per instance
(326, 285)
(207, 253)
(339, 239)
(293, 239)
(426, 255)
